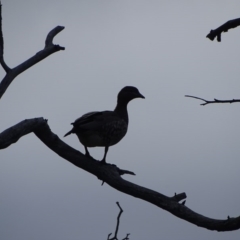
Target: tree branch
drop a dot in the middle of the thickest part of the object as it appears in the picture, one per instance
(223, 28)
(117, 226)
(126, 238)
(49, 49)
(51, 35)
(2, 62)
(14, 133)
(214, 101)
(110, 174)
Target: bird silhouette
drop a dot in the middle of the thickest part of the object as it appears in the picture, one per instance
(107, 128)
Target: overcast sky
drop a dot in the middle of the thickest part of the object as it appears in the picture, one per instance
(173, 144)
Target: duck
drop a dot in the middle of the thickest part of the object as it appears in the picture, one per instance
(105, 128)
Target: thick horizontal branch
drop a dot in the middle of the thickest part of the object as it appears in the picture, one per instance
(36, 125)
(223, 28)
(49, 49)
(13, 134)
(214, 101)
(110, 175)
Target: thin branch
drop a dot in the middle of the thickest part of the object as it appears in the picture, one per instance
(118, 219)
(214, 101)
(49, 49)
(51, 35)
(110, 175)
(2, 62)
(223, 28)
(126, 238)
(117, 226)
(121, 172)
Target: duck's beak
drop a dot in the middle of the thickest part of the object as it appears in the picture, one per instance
(140, 95)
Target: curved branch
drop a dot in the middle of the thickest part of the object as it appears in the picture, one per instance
(14, 133)
(223, 28)
(49, 49)
(51, 35)
(214, 101)
(110, 175)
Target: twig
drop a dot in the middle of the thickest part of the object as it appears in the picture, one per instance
(214, 101)
(51, 35)
(126, 238)
(2, 62)
(117, 226)
(118, 219)
(121, 172)
(223, 28)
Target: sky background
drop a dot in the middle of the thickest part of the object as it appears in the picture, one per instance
(173, 144)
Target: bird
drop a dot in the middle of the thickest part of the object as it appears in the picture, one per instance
(106, 128)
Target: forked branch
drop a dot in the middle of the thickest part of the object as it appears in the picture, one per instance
(12, 73)
(214, 101)
(223, 28)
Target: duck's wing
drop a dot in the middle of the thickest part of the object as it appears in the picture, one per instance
(88, 117)
(94, 120)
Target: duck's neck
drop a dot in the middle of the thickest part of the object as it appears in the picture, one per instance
(121, 110)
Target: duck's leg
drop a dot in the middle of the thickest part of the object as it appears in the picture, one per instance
(87, 152)
(105, 154)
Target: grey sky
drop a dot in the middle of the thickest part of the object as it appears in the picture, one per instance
(173, 144)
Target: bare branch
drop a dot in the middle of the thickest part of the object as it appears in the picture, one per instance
(2, 62)
(118, 218)
(110, 174)
(117, 226)
(36, 125)
(121, 172)
(14, 133)
(126, 238)
(49, 49)
(223, 28)
(51, 35)
(214, 101)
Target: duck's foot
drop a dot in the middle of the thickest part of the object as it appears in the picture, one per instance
(103, 161)
(88, 155)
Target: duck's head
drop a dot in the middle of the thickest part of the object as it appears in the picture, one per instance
(128, 93)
